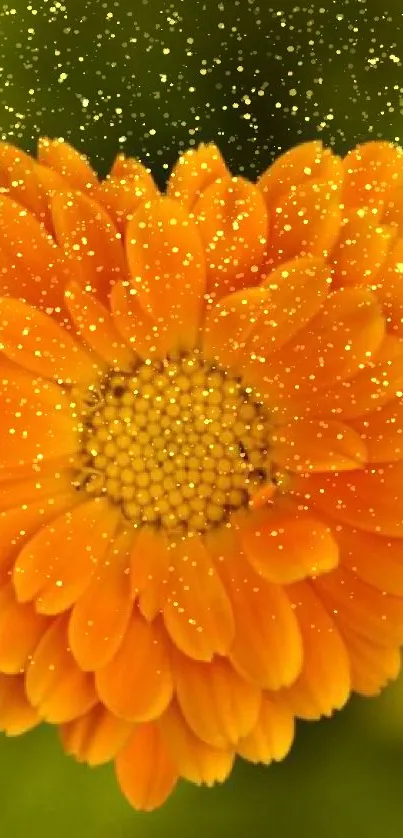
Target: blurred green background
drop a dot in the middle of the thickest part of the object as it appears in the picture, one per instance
(152, 78)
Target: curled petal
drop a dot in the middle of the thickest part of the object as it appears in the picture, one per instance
(100, 617)
(91, 243)
(145, 770)
(137, 328)
(267, 648)
(375, 559)
(194, 760)
(273, 734)
(149, 565)
(122, 192)
(389, 288)
(96, 328)
(305, 162)
(370, 499)
(197, 611)
(20, 630)
(39, 344)
(285, 543)
(55, 685)
(27, 404)
(194, 172)
(361, 250)
(17, 715)
(56, 565)
(361, 608)
(321, 445)
(20, 522)
(372, 666)
(167, 265)
(137, 683)
(96, 737)
(372, 171)
(306, 222)
(335, 345)
(27, 182)
(325, 681)
(68, 162)
(32, 265)
(297, 292)
(382, 432)
(218, 705)
(374, 385)
(232, 220)
(229, 323)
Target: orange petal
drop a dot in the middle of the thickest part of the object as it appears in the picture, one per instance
(24, 490)
(96, 327)
(382, 432)
(137, 329)
(334, 346)
(194, 172)
(36, 422)
(167, 264)
(90, 241)
(370, 499)
(54, 683)
(194, 760)
(145, 770)
(32, 264)
(229, 323)
(338, 341)
(360, 608)
(267, 648)
(361, 250)
(38, 343)
(20, 630)
(273, 734)
(306, 222)
(232, 221)
(324, 683)
(56, 565)
(372, 171)
(122, 194)
(150, 561)
(284, 543)
(389, 288)
(380, 381)
(24, 181)
(318, 445)
(16, 714)
(128, 167)
(297, 166)
(374, 558)
(197, 611)
(137, 683)
(393, 209)
(298, 290)
(372, 666)
(19, 523)
(96, 737)
(71, 164)
(100, 617)
(218, 705)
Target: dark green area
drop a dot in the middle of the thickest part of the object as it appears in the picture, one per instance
(341, 779)
(122, 91)
(341, 59)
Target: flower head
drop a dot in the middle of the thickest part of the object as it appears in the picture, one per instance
(201, 469)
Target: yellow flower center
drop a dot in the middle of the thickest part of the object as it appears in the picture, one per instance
(178, 443)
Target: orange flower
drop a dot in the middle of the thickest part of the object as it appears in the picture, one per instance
(201, 470)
